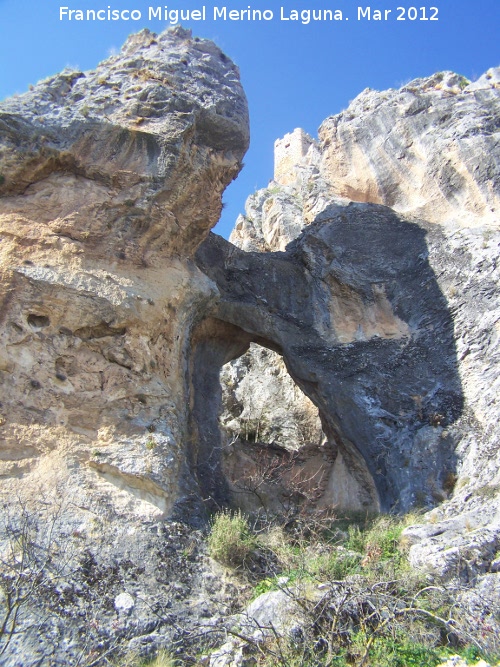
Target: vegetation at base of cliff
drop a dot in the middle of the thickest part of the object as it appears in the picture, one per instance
(400, 651)
(360, 604)
(358, 601)
(230, 541)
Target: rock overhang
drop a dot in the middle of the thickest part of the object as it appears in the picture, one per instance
(156, 129)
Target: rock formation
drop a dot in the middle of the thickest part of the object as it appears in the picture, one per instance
(103, 178)
(364, 285)
(428, 151)
(110, 180)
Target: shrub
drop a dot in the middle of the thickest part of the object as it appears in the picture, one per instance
(335, 565)
(385, 535)
(401, 652)
(356, 539)
(230, 541)
(360, 603)
(163, 659)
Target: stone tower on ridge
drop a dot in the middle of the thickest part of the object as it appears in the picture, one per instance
(288, 152)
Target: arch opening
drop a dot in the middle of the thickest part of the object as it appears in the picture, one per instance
(258, 440)
(276, 457)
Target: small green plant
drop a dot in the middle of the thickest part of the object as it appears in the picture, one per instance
(385, 535)
(230, 541)
(274, 190)
(265, 586)
(335, 565)
(163, 659)
(463, 82)
(2, 179)
(151, 443)
(400, 652)
(356, 540)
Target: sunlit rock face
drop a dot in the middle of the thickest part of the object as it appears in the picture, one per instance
(429, 149)
(110, 180)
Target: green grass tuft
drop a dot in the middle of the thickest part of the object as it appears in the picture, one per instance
(230, 541)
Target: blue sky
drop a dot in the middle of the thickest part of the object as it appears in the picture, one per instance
(294, 75)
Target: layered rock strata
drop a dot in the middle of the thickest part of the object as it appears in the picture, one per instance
(429, 149)
(110, 181)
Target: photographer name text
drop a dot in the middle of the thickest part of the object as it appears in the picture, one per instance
(174, 16)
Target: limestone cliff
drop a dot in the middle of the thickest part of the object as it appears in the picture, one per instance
(110, 181)
(429, 150)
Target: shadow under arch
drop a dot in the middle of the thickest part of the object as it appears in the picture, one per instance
(355, 308)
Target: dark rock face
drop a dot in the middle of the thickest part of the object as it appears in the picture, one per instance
(385, 383)
(413, 315)
(391, 326)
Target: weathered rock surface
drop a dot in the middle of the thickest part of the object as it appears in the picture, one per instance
(386, 384)
(120, 158)
(110, 180)
(264, 411)
(429, 150)
(118, 313)
(272, 614)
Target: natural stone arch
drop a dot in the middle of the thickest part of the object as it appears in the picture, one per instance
(356, 310)
(323, 475)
